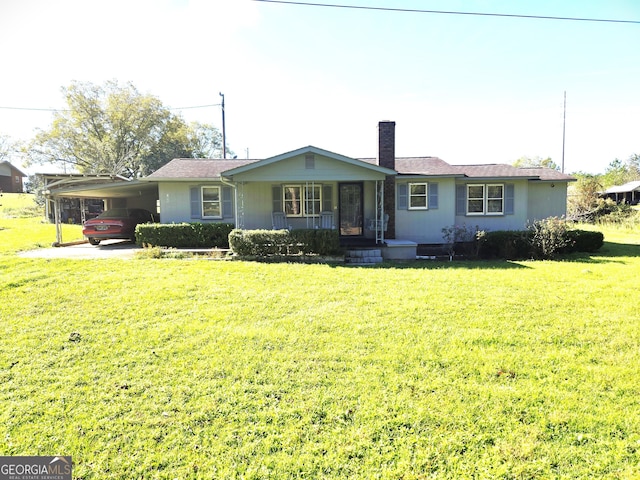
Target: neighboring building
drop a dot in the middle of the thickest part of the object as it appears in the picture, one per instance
(11, 178)
(627, 193)
(411, 199)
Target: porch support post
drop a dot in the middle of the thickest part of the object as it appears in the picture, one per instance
(56, 210)
(381, 218)
(379, 213)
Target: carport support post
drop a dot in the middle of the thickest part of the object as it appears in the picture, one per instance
(82, 214)
(56, 213)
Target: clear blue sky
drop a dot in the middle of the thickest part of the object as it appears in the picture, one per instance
(468, 89)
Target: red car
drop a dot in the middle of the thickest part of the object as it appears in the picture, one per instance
(115, 223)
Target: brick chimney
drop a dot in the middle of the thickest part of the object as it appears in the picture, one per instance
(387, 159)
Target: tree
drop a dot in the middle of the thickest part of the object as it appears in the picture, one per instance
(620, 172)
(114, 129)
(528, 162)
(584, 196)
(6, 147)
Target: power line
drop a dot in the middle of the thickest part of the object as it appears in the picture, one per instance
(28, 109)
(197, 106)
(445, 12)
(33, 109)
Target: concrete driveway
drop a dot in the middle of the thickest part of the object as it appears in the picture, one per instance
(106, 249)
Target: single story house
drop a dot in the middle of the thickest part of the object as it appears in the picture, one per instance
(364, 199)
(11, 178)
(627, 193)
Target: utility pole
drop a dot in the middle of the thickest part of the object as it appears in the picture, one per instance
(224, 133)
(564, 122)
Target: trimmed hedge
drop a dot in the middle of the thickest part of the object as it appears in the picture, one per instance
(507, 244)
(264, 243)
(184, 235)
(518, 245)
(584, 241)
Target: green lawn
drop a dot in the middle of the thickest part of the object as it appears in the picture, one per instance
(165, 368)
(23, 226)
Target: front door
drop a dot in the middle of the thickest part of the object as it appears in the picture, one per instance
(350, 209)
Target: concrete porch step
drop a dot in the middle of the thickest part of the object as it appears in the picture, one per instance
(363, 257)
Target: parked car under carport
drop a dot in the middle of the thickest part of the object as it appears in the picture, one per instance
(116, 223)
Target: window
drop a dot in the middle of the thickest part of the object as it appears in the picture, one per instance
(211, 205)
(475, 199)
(313, 200)
(485, 199)
(418, 196)
(293, 200)
(495, 199)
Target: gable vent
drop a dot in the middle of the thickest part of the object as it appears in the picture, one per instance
(310, 161)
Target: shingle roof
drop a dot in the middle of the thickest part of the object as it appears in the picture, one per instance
(192, 168)
(186, 168)
(434, 166)
(545, 173)
(420, 166)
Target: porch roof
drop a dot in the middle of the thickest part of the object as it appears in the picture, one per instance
(305, 150)
(627, 187)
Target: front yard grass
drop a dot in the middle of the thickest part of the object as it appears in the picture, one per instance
(23, 226)
(184, 369)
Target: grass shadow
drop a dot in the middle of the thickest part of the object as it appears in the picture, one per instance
(611, 252)
(439, 265)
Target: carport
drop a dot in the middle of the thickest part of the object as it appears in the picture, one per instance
(114, 190)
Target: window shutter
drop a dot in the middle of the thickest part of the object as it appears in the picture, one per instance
(402, 196)
(327, 198)
(276, 192)
(509, 199)
(461, 199)
(227, 202)
(433, 195)
(196, 204)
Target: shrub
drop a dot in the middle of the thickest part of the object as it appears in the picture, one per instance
(184, 235)
(545, 239)
(259, 242)
(462, 239)
(548, 237)
(507, 244)
(265, 243)
(583, 241)
(318, 241)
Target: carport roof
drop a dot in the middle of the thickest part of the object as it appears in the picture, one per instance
(105, 189)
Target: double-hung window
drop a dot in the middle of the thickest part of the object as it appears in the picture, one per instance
(418, 196)
(211, 204)
(485, 199)
(495, 199)
(292, 200)
(302, 200)
(313, 200)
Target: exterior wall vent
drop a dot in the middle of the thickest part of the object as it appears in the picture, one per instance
(310, 161)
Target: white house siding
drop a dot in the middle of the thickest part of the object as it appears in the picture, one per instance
(516, 221)
(175, 205)
(257, 200)
(175, 202)
(547, 200)
(425, 226)
(295, 169)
